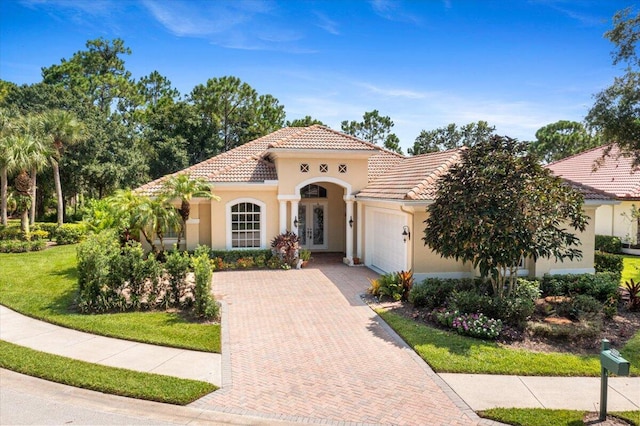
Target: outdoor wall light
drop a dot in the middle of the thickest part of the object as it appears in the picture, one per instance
(406, 233)
(295, 222)
(350, 221)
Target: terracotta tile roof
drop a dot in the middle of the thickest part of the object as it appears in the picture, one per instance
(615, 174)
(588, 192)
(249, 162)
(413, 178)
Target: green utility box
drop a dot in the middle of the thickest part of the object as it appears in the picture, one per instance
(610, 362)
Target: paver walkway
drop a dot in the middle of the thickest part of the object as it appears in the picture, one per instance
(304, 347)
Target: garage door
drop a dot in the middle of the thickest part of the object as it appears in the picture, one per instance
(387, 249)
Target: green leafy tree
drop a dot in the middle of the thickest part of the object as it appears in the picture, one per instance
(451, 137)
(562, 139)
(96, 75)
(63, 130)
(184, 188)
(616, 111)
(499, 205)
(392, 143)
(231, 113)
(33, 125)
(304, 122)
(373, 128)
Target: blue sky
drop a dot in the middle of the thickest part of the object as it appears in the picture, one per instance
(518, 64)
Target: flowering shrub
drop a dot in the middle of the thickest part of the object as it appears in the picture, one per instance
(474, 325)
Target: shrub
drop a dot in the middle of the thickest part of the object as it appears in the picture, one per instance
(396, 285)
(608, 244)
(434, 292)
(39, 234)
(17, 246)
(511, 310)
(95, 256)
(607, 262)
(11, 233)
(286, 246)
(474, 325)
(600, 285)
(177, 265)
(585, 307)
(204, 304)
(70, 233)
(633, 289)
(49, 227)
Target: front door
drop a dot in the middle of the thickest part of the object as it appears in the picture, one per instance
(312, 227)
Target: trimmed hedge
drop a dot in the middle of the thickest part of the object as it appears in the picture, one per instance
(600, 285)
(17, 246)
(607, 262)
(608, 244)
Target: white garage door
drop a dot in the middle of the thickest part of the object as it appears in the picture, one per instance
(386, 247)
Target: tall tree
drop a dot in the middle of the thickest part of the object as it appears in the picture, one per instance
(451, 136)
(184, 188)
(33, 125)
(616, 111)
(26, 153)
(7, 126)
(96, 75)
(231, 114)
(64, 130)
(562, 139)
(499, 205)
(304, 122)
(373, 128)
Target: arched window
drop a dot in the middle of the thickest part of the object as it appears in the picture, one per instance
(246, 221)
(313, 191)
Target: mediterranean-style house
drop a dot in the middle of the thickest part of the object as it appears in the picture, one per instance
(339, 194)
(613, 175)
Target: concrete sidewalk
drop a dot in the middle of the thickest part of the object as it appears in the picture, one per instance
(45, 337)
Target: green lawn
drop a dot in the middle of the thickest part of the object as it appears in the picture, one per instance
(116, 381)
(448, 352)
(43, 285)
(631, 268)
(544, 417)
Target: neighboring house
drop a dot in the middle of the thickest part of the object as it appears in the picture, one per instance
(612, 175)
(339, 194)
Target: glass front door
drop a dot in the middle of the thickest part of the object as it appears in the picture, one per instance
(312, 228)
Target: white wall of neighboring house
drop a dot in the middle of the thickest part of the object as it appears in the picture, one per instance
(615, 220)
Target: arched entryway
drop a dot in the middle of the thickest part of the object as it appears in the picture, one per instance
(321, 213)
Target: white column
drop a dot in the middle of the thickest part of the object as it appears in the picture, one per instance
(283, 216)
(294, 215)
(348, 199)
(359, 221)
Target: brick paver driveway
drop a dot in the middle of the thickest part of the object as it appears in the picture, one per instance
(301, 345)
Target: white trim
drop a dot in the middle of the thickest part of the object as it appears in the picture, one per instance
(193, 221)
(263, 222)
(572, 271)
(345, 185)
(289, 197)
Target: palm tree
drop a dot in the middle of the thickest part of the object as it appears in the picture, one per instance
(6, 128)
(152, 217)
(64, 130)
(25, 153)
(184, 188)
(33, 125)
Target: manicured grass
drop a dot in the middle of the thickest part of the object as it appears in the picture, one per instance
(43, 285)
(544, 417)
(631, 268)
(116, 381)
(448, 352)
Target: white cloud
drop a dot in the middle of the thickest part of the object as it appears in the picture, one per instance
(327, 24)
(392, 10)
